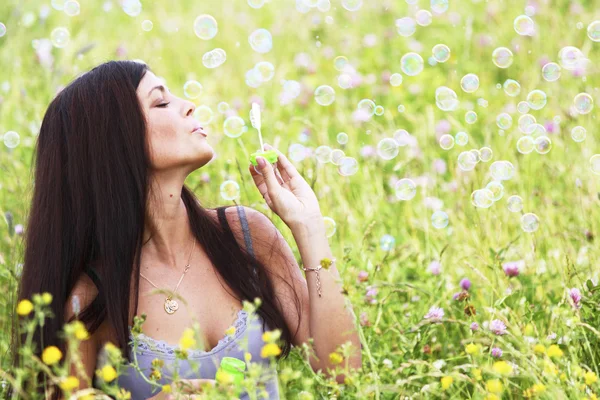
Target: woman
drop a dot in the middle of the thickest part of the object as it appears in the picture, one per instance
(110, 207)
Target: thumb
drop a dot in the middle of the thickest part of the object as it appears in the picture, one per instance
(268, 174)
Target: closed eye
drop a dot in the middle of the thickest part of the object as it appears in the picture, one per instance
(164, 105)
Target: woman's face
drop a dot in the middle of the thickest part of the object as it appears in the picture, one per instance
(170, 124)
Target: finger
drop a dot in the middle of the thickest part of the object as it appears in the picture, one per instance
(268, 172)
(285, 164)
(260, 183)
(282, 172)
(278, 175)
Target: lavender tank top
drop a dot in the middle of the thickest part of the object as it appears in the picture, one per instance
(200, 364)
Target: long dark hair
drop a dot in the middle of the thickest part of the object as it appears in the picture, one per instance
(90, 193)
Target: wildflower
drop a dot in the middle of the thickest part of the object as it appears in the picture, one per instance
(47, 298)
(167, 388)
(124, 394)
(460, 296)
(435, 267)
(223, 377)
(435, 314)
(502, 367)
(511, 268)
(496, 352)
(477, 374)
(363, 276)
(187, 339)
(270, 349)
(335, 358)
(554, 351)
(465, 284)
(472, 348)
(247, 357)
(575, 297)
(538, 388)
(498, 327)
(539, 348)
(69, 383)
(446, 381)
(51, 355)
(371, 295)
(24, 307)
(271, 336)
(470, 310)
(155, 374)
(81, 332)
(107, 373)
(494, 386)
(590, 378)
(474, 326)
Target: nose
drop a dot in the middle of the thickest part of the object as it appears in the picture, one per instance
(189, 108)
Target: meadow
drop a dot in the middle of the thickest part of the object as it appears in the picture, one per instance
(452, 145)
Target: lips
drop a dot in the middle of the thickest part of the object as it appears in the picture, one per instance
(199, 129)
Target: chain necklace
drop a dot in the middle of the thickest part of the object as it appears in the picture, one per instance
(171, 305)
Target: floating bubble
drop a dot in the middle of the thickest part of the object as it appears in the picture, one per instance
(323, 154)
(401, 108)
(147, 25)
(512, 87)
(551, 71)
(230, 190)
(502, 170)
(352, 5)
(345, 81)
(543, 144)
(524, 25)
(11, 139)
(214, 58)
(336, 156)
(530, 222)
(60, 37)
(578, 133)
(324, 95)
(423, 17)
(256, 3)
(2, 29)
(205, 27)
(324, 5)
(461, 138)
(192, 89)
(446, 98)
(387, 242)
(406, 26)
(514, 203)
(330, 226)
(570, 57)
(482, 198)
(342, 138)
(469, 83)
(502, 57)
(446, 141)
(367, 106)
(439, 6)
(203, 114)
(439, 219)
(476, 154)
(523, 107)
(538, 130)
(72, 8)
(504, 121)
(527, 123)
(405, 189)
(595, 164)
(261, 41)
(133, 8)
(253, 78)
(525, 145)
(497, 189)
(441, 52)
(222, 107)
(536, 99)
(470, 117)
(396, 80)
(583, 103)
(387, 148)
(234, 126)
(402, 137)
(265, 70)
(340, 62)
(297, 152)
(485, 154)
(347, 166)
(467, 161)
(411, 64)
(593, 31)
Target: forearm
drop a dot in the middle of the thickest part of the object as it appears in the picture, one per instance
(331, 321)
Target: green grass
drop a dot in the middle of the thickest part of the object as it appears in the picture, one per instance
(400, 350)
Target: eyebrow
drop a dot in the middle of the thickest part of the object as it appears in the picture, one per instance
(159, 87)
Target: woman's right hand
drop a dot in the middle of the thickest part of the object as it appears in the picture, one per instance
(183, 389)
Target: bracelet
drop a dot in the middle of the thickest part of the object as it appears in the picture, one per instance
(325, 263)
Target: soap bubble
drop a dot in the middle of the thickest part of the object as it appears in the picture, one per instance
(467, 161)
(527, 123)
(352, 5)
(446, 98)
(583, 103)
(406, 26)
(502, 57)
(345, 81)
(323, 154)
(523, 107)
(214, 58)
(446, 141)
(497, 189)
(297, 152)
(261, 41)
(396, 79)
(530, 222)
(512, 87)
(324, 95)
(2, 29)
(11, 139)
(551, 72)
(256, 3)
(595, 164)
(469, 83)
(234, 126)
(485, 154)
(502, 170)
(222, 107)
(72, 8)
(525, 145)
(461, 138)
(524, 25)
(405, 189)
(330, 226)
(402, 137)
(439, 6)
(147, 25)
(205, 27)
(411, 64)
(387, 242)
(514, 203)
(593, 31)
(133, 8)
(60, 37)
(265, 71)
(367, 106)
(470, 117)
(192, 89)
(342, 138)
(439, 219)
(543, 144)
(536, 99)
(482, 198)
(570, 57)
(441, 53)
(578, 133)
(504, 121)
(387, 148)
(423, 17)
(347, 166)
(340, 62)
(230, 190)
(203, 114)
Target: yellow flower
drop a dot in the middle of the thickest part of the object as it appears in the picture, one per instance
(223, 377)
(187, 339)
(539, 348)
(47, 298)
(593, 397)
(108, 373)
(69, 383)
(335, 358)
(550, 368)
(247, 357)
(446, 381)
(51, 355)
(494, 386)
(124, 394)
(270, 349)
(502, 367)
(538, 388)
(24, 307)
(563, 376)
(86, 397)
(271, 336)
(477, 374)
(491, 397)
(81, 332)
(472, 348)
(230, 331)
(166, 388)
(590, 378)
(554, 351)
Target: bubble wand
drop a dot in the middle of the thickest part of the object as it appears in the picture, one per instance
(270, 155)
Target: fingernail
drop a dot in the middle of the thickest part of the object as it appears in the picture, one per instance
(261, 162)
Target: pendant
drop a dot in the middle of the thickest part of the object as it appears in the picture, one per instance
(171, 306)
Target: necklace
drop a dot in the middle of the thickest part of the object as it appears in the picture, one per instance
(171, 305)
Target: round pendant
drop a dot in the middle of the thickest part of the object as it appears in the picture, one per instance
(171, 306)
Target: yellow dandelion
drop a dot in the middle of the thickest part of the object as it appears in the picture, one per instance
(230, 331)
(590, 378)
(494, 386)
(502, 367)
(69, 383)
(224, 377)
(247, 357)
(539, 348)
(446, 381)
(81, 332)
(51, 355)
(538, 388)
(187, 339)
(166, 388)
(270, 349)
(271, 336)
(108, 373)
(24, 307)
(554, 351)
(47, 298)
(472, 348)
(335, 358)
(123, 394)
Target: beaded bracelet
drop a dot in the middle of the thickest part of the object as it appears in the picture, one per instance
(325, 263)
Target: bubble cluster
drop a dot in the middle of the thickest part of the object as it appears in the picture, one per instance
(214, 58)
(261, 41)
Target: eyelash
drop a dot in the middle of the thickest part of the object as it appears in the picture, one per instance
(163, 105)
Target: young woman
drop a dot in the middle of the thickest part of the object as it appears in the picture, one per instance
(112, 220)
